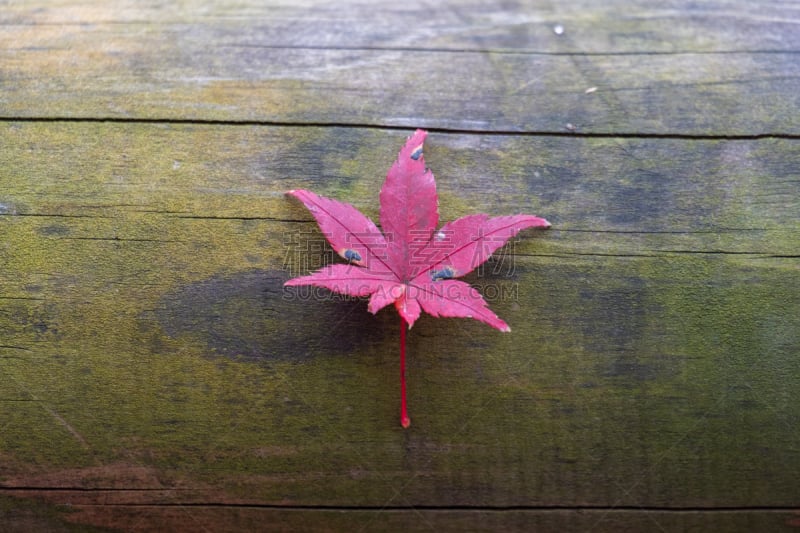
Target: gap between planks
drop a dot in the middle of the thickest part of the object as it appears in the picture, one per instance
(11, 491)
(392, 127)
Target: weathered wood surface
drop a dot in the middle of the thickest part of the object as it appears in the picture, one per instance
(155, 375)
(720, 67)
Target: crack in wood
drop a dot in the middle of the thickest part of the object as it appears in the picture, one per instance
(397, 508)
(120, 239)
(261, 218)
(715, 231)
(13, 347)
(392, 127)
(50, 215)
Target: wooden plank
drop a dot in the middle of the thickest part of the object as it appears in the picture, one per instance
(639, 27)
(154, 374)
(656, 71)
(234, 519)
(24, 516)
(151, 357)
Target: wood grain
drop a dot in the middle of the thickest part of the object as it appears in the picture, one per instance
(459, 67)
(155, 374)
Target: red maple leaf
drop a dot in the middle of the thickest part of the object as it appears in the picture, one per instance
(410, 264)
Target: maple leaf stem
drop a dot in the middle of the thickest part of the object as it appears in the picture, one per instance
(404, 420)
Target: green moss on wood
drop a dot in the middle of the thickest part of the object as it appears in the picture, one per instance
(144, 321)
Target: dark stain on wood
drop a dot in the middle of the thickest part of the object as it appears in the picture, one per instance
(252, 315)
(54, 230)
